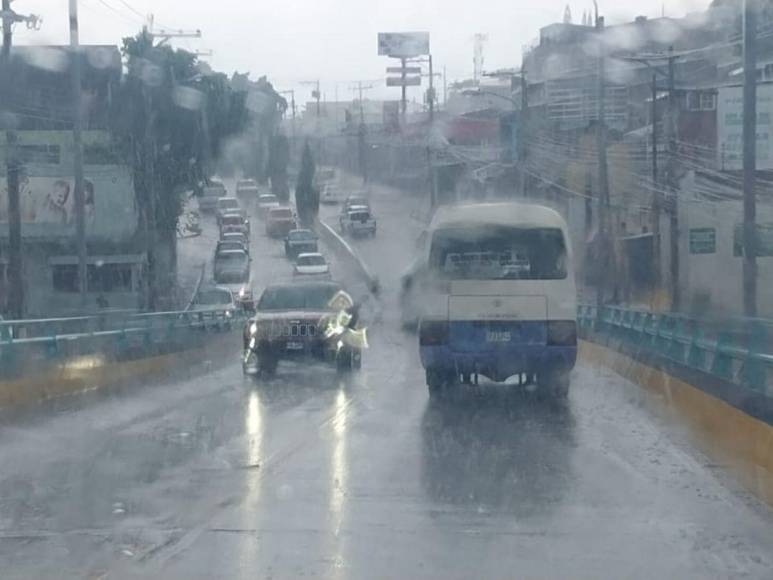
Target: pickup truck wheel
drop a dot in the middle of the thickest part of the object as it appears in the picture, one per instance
(345, 361)
(267, 364)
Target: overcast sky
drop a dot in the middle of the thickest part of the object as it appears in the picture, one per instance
(333, 40)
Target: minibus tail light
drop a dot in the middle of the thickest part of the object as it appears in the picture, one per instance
(433, 332)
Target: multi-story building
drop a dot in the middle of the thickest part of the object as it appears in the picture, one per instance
(39, 103)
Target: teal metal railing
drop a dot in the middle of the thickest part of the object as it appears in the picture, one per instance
(736, 350)
(27, 343)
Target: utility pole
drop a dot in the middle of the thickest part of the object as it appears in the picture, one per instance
(13, 167)
(77, 153)
(749, 157)
(603, 176)
(361, 131)
(672, 186)
(431, 92)
(656, 193)
(523, 150)
(403, 101)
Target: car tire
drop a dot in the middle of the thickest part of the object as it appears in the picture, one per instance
(345, 361)
(267, 364)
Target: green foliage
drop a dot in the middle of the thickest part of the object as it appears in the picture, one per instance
(278, 159)
(173, 117)
(306, 196)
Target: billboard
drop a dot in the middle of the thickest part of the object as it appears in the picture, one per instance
(47, 205)
(730, 128)
(403, 44)
(398, 81)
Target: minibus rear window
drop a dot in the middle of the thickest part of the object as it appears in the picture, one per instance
(499, 253)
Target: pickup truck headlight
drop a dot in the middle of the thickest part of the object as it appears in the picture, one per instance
(253, 329)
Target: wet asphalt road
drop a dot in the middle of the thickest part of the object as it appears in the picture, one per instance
(311, 475)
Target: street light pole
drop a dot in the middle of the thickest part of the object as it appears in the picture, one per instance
(749, 158)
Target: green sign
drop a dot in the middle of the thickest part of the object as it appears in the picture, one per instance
(764, 240)
(703, 240)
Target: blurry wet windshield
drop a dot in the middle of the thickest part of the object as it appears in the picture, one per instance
(537, 341)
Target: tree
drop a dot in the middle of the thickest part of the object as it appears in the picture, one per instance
(172, 117)
(306, 196)
(278, 158)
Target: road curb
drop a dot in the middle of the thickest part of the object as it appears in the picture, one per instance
(733, 438)
(344, 251)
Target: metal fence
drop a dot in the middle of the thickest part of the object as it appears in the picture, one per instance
(738, 351)
(28, 346)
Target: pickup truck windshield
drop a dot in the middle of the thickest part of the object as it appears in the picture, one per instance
(311, 261)
(213, 298)
(312, 297)
(499, 253)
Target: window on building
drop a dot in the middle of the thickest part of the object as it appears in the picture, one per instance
(701, 101)
(66, 278)
(110, 278)
(100, 277)
(41, 154)
(764, 240)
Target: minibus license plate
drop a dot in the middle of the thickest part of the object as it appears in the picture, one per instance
(498, 336)
(294, 345)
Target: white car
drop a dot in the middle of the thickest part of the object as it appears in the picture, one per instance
(214, 300)
(311, 264)
(357, 221)
(226, 205)
(331, 194)
(247, 188)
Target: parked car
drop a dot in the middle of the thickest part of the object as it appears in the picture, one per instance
(224, 245)
(235, 236)
(209, 196)
(266, 201)
(247, 188)
(358, 221)
(279, 222)
(311, 265)
(226, 205)
(235, 221)
(330, 194)
(232, 267)
(299, 241)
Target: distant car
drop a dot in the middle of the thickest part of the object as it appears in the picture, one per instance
(358, 221)
(224, 245)
(235, 236)
(330, 194)
(235, 221)
(209, 196)
(213, 301)
(279, 222)
(232, 267)
(300, 241)
(355, 200)
(247, 188)
(266, 202)
(303, 321)
(311, 264)
(226, 205)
